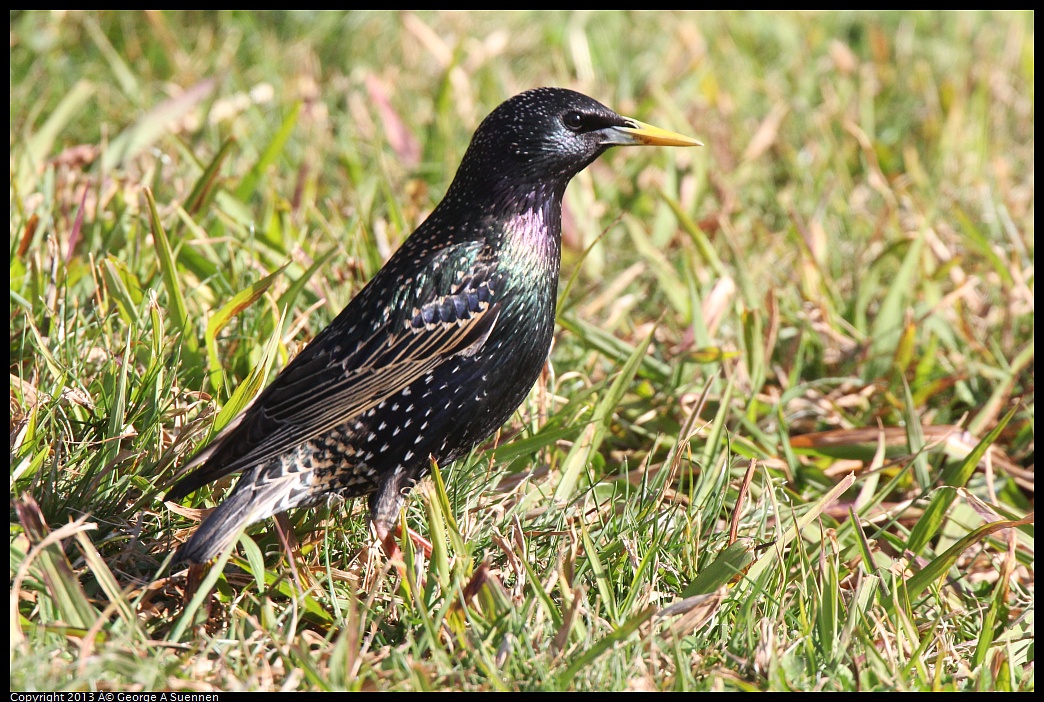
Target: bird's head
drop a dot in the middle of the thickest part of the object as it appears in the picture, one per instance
(544, 137)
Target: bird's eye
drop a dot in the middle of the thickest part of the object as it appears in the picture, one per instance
(573, 120)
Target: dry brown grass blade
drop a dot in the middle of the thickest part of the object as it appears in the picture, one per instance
(953, 439)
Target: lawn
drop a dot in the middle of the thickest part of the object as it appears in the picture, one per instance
(784, 440)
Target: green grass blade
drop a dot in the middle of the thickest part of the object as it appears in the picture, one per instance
(591, 439)
(699, 238)
(247, 390)
(915, 437)
(938, 567)
(203, 191)
(188, 616)
(288, 299)
(615, 349)
(733, 560)
(66, 593)
(108, 583)
(618, 635)
(169, 272)
(153, 125)
(39, 145)
(888, 324)
(812, 512)
(225, 314)
(248, 185)
(954, 476)
(598, 571)
(123, 286)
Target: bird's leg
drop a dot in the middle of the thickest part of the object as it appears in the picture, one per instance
(385, 509)
(389, 538)
(290, 545)
(385, 505)
(389, 542)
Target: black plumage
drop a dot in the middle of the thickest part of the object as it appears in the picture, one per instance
(439, 349)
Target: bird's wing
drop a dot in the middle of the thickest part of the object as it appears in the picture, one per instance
(326, 386)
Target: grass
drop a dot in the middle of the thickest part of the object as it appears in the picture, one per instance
(816, 333)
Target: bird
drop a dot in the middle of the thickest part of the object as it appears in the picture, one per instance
(437, 350)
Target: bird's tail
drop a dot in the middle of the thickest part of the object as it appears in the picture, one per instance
(248, 503)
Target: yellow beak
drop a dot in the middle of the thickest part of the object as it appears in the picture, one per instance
(641, 134)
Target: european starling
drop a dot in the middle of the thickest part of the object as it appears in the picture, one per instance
(439, 349)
